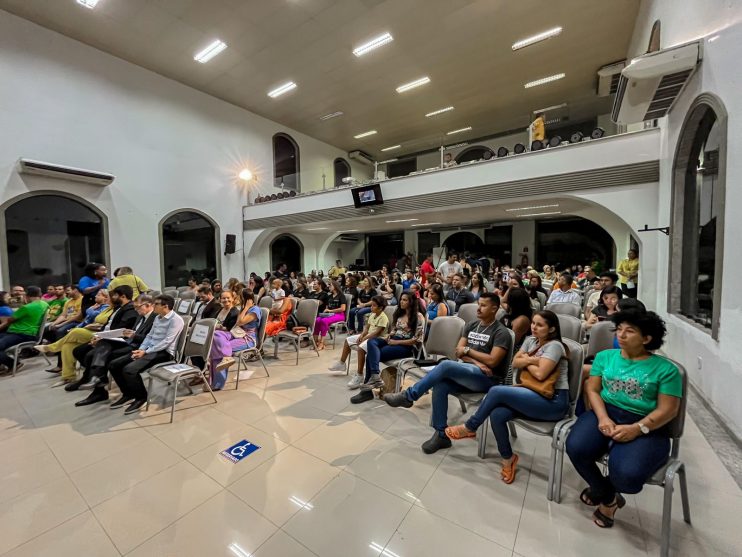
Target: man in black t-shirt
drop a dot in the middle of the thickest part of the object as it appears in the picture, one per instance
(483, 363)
(458, 293)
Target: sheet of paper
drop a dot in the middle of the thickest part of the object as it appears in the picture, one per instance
(200, 333)
(113, 334)
(184, 306)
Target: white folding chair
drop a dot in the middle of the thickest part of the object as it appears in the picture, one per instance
(571, 327)
(564, 308)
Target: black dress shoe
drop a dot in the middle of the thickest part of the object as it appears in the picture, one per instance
(119, 402)
(363, 396)
(54, 370)
(75, 385)
(92, 398)
(135, 406)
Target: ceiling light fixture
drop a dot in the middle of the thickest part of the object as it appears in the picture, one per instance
(532, 207)
(439, 111)
(466, 129)
(413, 84)
(544, 80)
(549, 108)
(391, 148)
(285, 88)
(365, 134)
(331, 115)
(311, 229)
(388, 161)
(537, 38)
(90, 4)
(427, 224)
(540, 214)
(245, 175)
(209, 52)
(401, 220)
(373, 44)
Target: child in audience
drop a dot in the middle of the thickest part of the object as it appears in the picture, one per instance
(277, 293)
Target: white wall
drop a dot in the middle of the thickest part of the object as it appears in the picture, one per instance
(719, 23)
(169, 146)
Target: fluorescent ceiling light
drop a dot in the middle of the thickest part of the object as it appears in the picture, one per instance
(531, 207)
(548, 108)
(544, 80)
(537, 38)
(209, 52)
(352, 230)
(457, 145)
(88, 3)
(459, 130)
(402, 220)
(309, 229)
(427, 224)
(373, 44)
(387, 161)
(331, 115)
(391, 148)
(413, 84)
(439, 111)
(540, 214)
(364, 134)
(285, 88)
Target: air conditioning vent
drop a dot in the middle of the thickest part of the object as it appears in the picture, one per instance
(349, 238)
(360, 156)
(28, 166)
(608, 77)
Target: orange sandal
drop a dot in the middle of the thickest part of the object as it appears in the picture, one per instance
(458, 432)
(508, 472)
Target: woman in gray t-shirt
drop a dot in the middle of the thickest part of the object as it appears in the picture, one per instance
(542, 354)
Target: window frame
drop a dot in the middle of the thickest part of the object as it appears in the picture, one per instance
(340, 160)
(297, 165)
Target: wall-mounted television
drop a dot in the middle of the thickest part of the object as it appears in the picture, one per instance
(367, 196)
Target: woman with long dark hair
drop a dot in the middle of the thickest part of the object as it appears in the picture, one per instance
(477, 285)
(334, 312)
(540, 390)
(518, 317)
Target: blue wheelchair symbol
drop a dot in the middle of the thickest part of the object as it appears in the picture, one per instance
(240, 450)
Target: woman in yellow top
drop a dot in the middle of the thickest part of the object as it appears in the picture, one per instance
(628, 272)
(96, 318)
(124, 276)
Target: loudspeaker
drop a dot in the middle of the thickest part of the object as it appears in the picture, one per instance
(229, 244)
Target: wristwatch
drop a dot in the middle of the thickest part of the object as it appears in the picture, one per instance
(644, 429)
(466, 350)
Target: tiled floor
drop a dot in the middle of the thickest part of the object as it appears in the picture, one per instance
(330, 479)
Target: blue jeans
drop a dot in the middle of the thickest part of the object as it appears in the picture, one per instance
(450, 378)
(505, 402)
(8, 340)
(357, 317)
(630, 464)
(379, 351)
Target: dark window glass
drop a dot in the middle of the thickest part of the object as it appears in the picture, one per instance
(474, 154)
(285, 162)
(189, 248)
(573, 242)
(286, 249)
(342, 170)
(401, 168)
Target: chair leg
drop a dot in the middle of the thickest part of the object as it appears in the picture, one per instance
(511, 429)
(149, 392)
(175, 396)
(314, 344)
(667, 515)
(482, 441)
(552, 466)
(463, 406)
(262, 361)
(297, 343)
(210, 391)
(239, 367)
(684, 494)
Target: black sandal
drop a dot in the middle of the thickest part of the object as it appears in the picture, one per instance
(608, 521)
(587, 497)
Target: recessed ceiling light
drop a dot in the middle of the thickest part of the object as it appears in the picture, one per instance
(88, 3)
(537, 38)
(439, 111)
(388, 161)
(413, 84)
(427, 224)
(544, 80)
(540, 214)
(331, 115)
(459, 130)
(531, 207)
(365, 134)
(310, 229)
(210, 51)
(402, 220)
(549, 108)
(373, 44)
(391, 148)
(285, 88)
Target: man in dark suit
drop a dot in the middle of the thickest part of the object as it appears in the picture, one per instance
(210, 306)
(105, 350)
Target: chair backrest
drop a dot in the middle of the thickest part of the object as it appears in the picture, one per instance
(574, 371)
(199, 340)
(153, 293)
(266, 302)
(601, 337)
(180, 345)
(187, 294)
(182, 288)
(444, 336)
(389, 310)
(306, 313)
(500, 314)
(398, 291)
(170, 292)
(547, 284)
(261, 328)
(589, 290)
(184, 306)
(451, 307)
(468, 312)
(348, 302)
(42, 326)
(676, 426)
(541, 299)
(571, 327)
(564, 308)
(509, 358)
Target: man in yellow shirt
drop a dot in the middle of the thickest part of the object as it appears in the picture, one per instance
(126, 277)
(628, 271)
(336, 270)
(537, 129)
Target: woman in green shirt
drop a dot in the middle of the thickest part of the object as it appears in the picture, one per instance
(633, 394)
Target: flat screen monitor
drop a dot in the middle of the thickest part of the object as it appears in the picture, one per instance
(366, 196)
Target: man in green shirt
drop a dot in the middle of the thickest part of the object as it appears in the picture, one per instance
(24, 325)
(56, 305)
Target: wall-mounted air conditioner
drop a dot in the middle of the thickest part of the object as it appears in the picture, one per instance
(649, 85)
(349, 238)
(362, 157)
(28, 166)
(608, 77)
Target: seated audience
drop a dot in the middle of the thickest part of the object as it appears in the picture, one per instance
(216, 288)
(302, 289)
(277, 293)
(376, 326)
(94, 278)
(477, 286)
(437, 306)
(351, 287)
(607, 306)
(607, 278)
(126, 276)
(549, 274)
(334, 312)
(336, 270)
(415, 291)
(563, 292)
(5, 309)
(518, 316)
(287, 287)
(210, 305)
(277, 317)
(458, 294)
(363, 307)
(406, 333)
(23, 325)
(587, 278)
(388, 291)
(56, 304)
(482, 353)
(17, 296)
(409, 279)
(158, 346)
(50, 294)
(545, 396)
(318, 291)
(448, 161)
(633, 394)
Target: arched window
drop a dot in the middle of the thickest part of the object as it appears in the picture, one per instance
(475, 153)
(189, 248)
(342, 170)
(463, 241)
(286, 249)
(698, 214)
(50, 239)
(285, 162)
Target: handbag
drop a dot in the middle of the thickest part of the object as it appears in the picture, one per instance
(238, 332)
(546, 387)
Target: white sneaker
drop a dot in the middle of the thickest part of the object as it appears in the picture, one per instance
(355, 381)
(336, 366)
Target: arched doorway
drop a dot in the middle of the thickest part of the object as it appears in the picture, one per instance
(464, 241)
(574, 241)
(50, 238)
(475, 153)
(189, 247)
(342, 170)
(285, 162)
(286, 249)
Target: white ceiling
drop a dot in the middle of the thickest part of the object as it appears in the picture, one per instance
(463, 45)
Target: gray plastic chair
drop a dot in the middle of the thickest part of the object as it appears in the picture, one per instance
(186, 294)
(468, 312)
(571, 327)
(336, 328)
(184, 306)
(172, 292)
(182, 288)
(243, 356)
(15, 350)
(451, 307)
(564, 308)
(541, 299)
(306, 315)
(398, 288)
(601, 337)
(266, 302)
